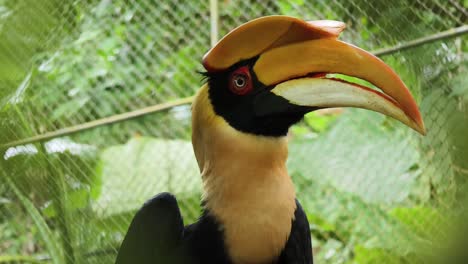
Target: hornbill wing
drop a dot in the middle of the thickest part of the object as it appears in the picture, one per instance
(155, 234)
(299, 246)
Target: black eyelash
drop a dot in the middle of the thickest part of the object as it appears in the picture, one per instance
(205, 76)
(209, 77)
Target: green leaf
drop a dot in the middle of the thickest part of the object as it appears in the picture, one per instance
(69, 108)
(302, 131)
(360, 155)
(77, 199)
(460, 86)
(320, 122)
(332, 251)
(363, 255)
(142, 168)
(44, 230)
(290, 7)
(323, 224)
(355, 221)
(18, 259)
(424, 221)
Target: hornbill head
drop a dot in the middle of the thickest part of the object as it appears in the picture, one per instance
(266, 74)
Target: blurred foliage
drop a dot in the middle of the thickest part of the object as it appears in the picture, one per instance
(127, 166)
(374, 191)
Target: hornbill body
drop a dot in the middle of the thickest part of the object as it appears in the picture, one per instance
(262, 77)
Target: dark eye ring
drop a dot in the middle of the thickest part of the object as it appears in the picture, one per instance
(240, 82)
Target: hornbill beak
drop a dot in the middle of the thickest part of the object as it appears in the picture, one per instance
(294, 60)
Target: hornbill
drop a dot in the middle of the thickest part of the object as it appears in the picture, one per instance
(262, 77)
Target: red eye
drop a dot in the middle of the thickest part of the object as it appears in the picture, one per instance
(240, 81)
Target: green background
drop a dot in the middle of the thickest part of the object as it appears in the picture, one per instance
(374, 191)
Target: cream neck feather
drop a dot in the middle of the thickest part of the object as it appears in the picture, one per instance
(246, 185)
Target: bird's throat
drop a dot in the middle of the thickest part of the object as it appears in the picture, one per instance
(253, 199)
(246, 187)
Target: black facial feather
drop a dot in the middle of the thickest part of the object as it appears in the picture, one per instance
(258, 112)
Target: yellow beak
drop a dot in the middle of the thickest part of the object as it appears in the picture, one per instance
(294, 57)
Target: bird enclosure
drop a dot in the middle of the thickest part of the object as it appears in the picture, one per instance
(95, 119)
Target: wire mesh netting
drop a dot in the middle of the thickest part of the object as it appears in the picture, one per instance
(374, 191)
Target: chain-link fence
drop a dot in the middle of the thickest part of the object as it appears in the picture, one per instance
(92, 126)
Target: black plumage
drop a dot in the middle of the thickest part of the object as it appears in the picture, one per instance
(157, 235)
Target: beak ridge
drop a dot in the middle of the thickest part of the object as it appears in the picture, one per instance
(244, 42)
